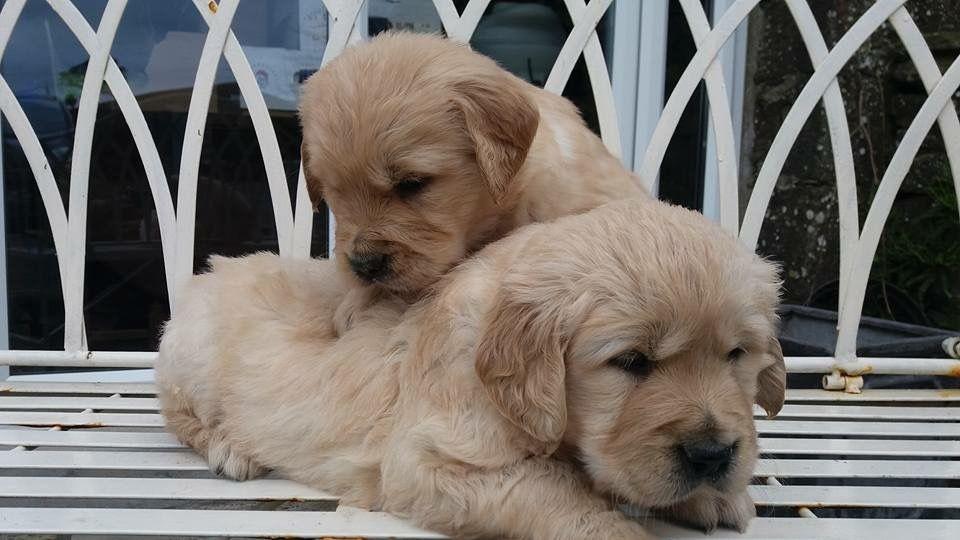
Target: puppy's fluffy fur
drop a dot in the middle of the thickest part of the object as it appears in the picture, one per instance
(425, 151)
(499, 405)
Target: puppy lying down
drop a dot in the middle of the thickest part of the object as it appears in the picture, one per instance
(611, 355)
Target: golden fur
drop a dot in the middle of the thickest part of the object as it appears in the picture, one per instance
(491, 407)
(490, 151)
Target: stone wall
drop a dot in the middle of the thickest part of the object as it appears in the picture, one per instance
(916, 275)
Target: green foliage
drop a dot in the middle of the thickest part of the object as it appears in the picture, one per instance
(919, 254)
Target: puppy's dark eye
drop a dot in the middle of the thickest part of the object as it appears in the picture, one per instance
(633, 362)
(735, 355)
(409, 186)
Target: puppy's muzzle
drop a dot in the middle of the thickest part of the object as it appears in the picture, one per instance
(370, 266)
(707, 459)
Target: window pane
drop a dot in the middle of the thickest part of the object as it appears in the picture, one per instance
(157, 48)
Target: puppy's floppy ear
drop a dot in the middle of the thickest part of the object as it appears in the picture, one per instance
(520, 363)
(772, 381)
(314, 186)
(501, 122)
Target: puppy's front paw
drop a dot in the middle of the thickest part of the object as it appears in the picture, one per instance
(224, 460)
(711, 509)
(353, 302)
(608, 524)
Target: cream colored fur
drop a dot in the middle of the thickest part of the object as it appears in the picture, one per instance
(490, 407)
(492, 151)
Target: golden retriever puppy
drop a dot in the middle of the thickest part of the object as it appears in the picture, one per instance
(425, 151)
(611, 355)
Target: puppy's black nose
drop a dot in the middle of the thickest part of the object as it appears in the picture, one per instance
(369, 265)
(707, 459)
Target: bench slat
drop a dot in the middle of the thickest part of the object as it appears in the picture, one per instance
(379, 525)
(188, 461)
(860, 447)
(836, 468)
(875, 395)
(850, 412)
(823, 529)
(206, 522)
(31, 418)
(817, 447)
(158, 488)
(858, 429)
(127, 461)
(765, 427)
(39, 403)
(84, 438)
(58, 387)
(866, 412)
(868, 395)
(856, 496)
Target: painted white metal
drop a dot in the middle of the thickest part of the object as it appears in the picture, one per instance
(294, 234)
(824, 529)
(190, 462)
(156, 488)
(460, 27)
(122, 521)
(856, 496)
(125, 461)
(87, 439)
(82, 419)
(841, 146)
(803, 364)
(877, 395)
(73, 332)
(651, 73)
(61, 403)
(859, 412)
(856, 429)
(733, 61)
(887, 366)
(624, 71)
(853, 468)
(130, 109)
(78, 358)
(929, 71)
(193, 141)
(707, 50)
(100, 376)
(723, 136)
(44, 387)
(764, 427)
(30, 144)
(860, 447)
(150, 404)
(824, 76)
(938, 100)
(583, 38)
(4, 322)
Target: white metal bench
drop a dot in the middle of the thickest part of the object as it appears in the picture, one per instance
(92, 457)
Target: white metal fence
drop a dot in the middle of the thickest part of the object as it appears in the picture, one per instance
(858, 246)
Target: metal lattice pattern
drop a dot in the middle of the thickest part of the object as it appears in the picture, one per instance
(96, 428)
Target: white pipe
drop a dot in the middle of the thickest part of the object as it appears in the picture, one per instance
(78, 358)
(883, 366)
(795, 364)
